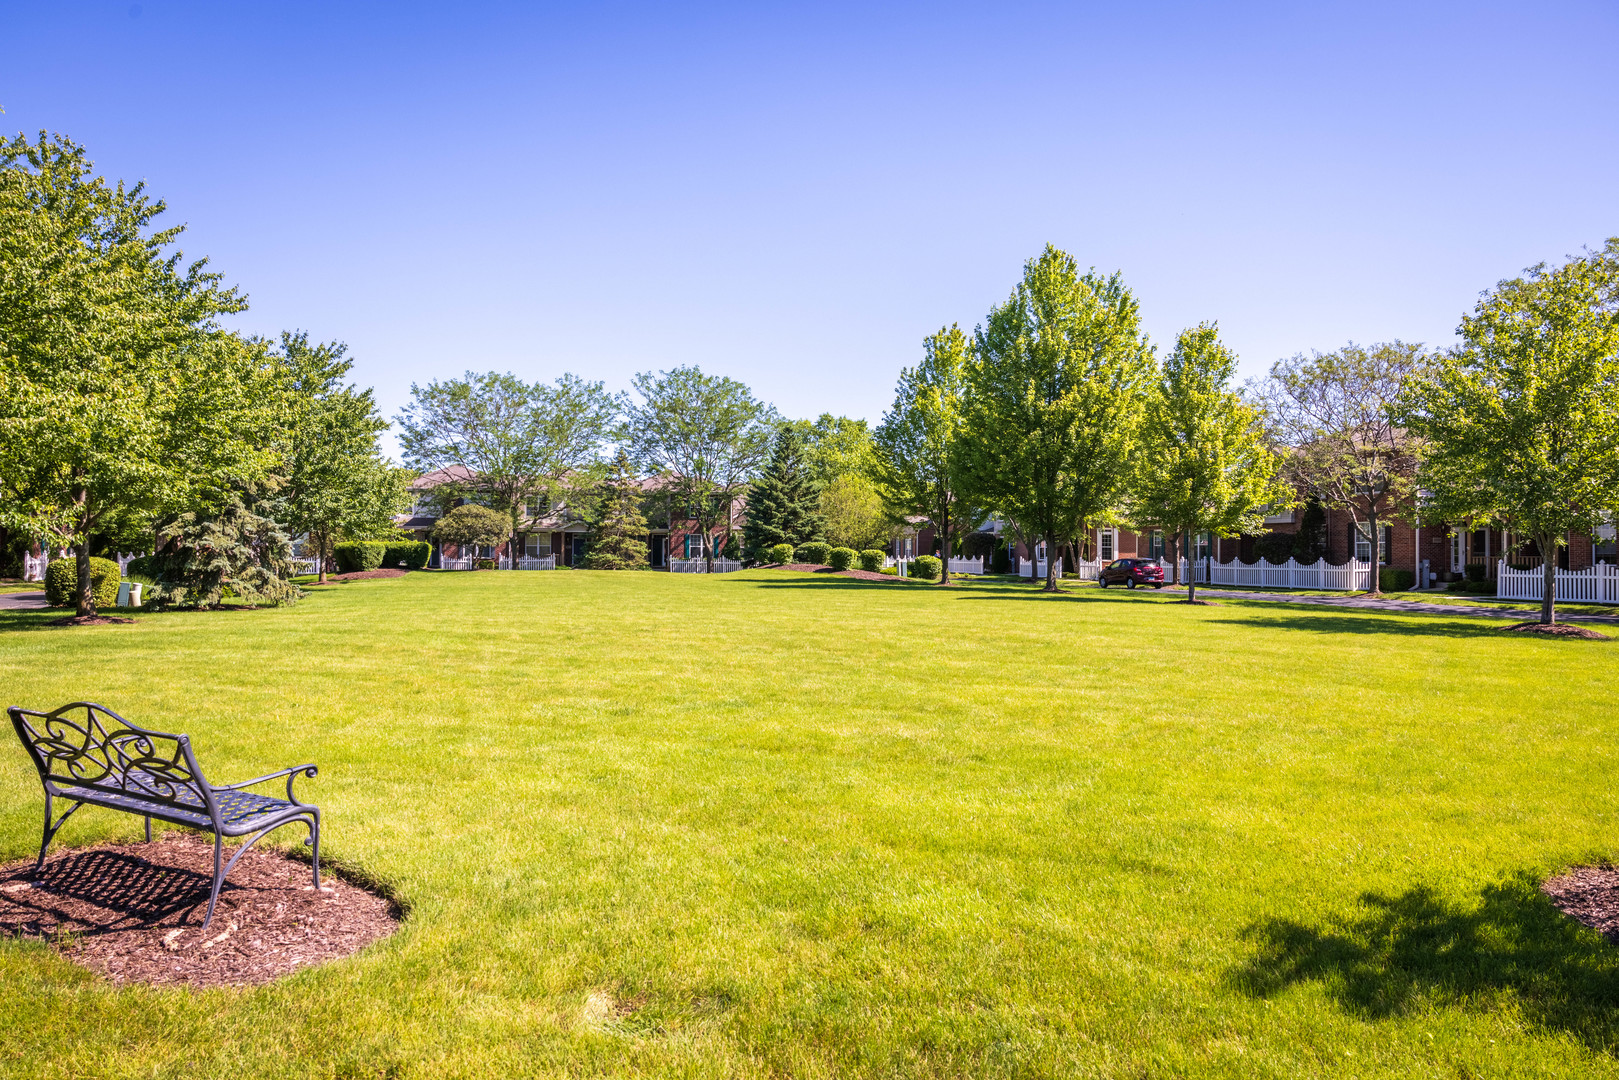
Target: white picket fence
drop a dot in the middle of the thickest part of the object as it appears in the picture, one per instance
(700, 566)
(1350, 577)
(1598, 585)
(967, 566)
(33, 569)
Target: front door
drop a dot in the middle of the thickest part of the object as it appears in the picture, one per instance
(576, 549)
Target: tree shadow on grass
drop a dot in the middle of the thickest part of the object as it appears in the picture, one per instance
(1513, 951)
(1342, 621)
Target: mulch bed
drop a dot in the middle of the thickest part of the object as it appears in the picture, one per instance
(1556, 630)
(365, 575)
(88, 620)
(1589, 894)
(133, 912)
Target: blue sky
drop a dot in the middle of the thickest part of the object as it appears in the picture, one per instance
(796, 195)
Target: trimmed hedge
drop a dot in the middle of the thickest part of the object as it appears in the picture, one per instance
(143, 567)
(841, 558)
(814, 552)
(872, 560)
(1001, 561)
(779, 553)
(1474, 571)
(62, 582)
(411, 554)
(1392, 580)
(926, 567)
(357, 555)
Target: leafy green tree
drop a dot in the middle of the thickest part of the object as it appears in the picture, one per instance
(705, 436)
(854, 513)
(200, 556)
(914, 464)
(336, 482)
(618, 529)
(119, 393)
(1053, 400)
(522, 442)
(1520, 423)
(1203, 463)
(783, 502)
(1335, 414)
(472, 525)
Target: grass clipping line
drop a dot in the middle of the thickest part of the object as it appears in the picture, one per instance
(133, 913)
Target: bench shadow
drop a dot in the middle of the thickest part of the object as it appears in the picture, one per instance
(127, 891)
(1417, 950)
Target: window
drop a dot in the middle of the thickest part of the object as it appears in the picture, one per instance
(1155, 549)
(1606, 547)
(1478, 542)
(694, 546)
(1363, 546)
(538, 547)
(1205, 545)
(1105, 540)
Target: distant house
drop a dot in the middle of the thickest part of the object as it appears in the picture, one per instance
(555, 530)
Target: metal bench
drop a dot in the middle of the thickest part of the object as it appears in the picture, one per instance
(89, 754)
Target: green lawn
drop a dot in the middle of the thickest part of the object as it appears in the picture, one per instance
(797, 825)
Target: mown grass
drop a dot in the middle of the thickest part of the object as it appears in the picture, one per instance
(771, 824)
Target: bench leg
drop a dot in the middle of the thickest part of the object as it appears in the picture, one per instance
(219, 879)
(50, 830)
(314, 842)
(148, 828)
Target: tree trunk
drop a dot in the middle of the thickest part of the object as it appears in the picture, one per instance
(944, 552)
(1375, 586)
(86, 597)
(1052, 565)
(320, 556)
(1191, 574)
(1548, 571)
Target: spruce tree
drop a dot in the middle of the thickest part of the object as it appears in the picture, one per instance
(783, 503)
(618, 536)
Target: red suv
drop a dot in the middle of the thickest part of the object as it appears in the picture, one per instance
(1132, 572)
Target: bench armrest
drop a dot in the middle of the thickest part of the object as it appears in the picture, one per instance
(291, 775)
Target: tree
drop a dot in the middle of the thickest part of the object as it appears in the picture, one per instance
(783, 502)
(705, 436)
(618, 530)
(1053, 399)
(200, 556)
(854, 513)
(914, 465)
(336, 482)
(1520, 423)
(119, 393)
(472, 526)
(520, 441)
(1203, 463)
(1334, 412)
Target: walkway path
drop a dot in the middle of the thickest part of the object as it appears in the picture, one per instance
(1406, 607)
(34, 598)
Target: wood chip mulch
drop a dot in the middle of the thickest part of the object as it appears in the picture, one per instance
(133, 912)
(89, 620)
(365, 575)
(1556, 630)
(1588, 894)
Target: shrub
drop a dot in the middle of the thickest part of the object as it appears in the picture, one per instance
(841, 558)
(813, 552)
(143, 567)
(62, 582)
(871, 559)
(357, 555)
(1392, 580)
(487, 564)
(411, 554)
(926, 567)
(1001, 561)
(733, 548)
(779, 553)
(1474, 571)
(1274, 547)
(891, 571)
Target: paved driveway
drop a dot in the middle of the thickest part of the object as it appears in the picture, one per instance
(32, 599)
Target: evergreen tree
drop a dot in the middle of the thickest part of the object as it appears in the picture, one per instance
(783, 504)
(618, 535)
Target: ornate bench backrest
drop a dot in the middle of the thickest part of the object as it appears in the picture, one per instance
(83, 745)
